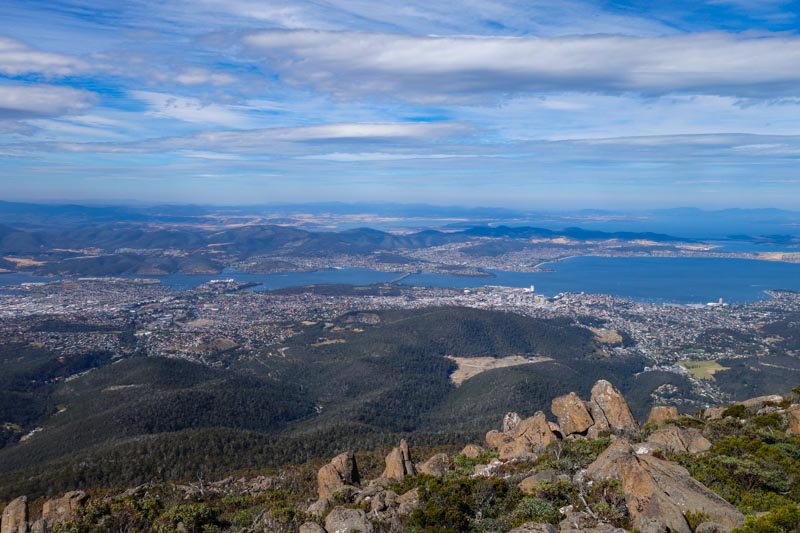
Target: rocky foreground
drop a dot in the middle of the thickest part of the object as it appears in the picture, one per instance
(628, 483)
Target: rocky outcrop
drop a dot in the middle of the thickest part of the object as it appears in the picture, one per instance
(61, 509)
(572, 415)
(609, 409)
(530, 436)
(713, 413)
(343, 520)
(658, 493)
(399, 463)
(15, 516)
(661, 413)
(758, 402)
(675, 439)
(336, 475)
(435, 466)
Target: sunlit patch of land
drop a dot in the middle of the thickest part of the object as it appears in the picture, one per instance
(22, 262)
(327, 342)
(703, 369)
(607, 336)
(469, 367)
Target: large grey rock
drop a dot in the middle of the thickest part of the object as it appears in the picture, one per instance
(343, 520)
(399, 463)
(760, 401)
(658, 493)
(337, 474)
(15, 516)
(573, 417)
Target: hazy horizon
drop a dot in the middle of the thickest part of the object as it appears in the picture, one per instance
(576, 104)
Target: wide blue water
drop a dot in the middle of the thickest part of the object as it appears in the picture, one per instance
(664, 280)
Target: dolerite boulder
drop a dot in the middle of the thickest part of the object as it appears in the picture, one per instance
(15, 516)
(510, 422)
(661, 413)
(531, 436)
(343, 520)
(754, 404)
(61, 509)
(659, 493)
(609, 408)
(337, 474)
(472, 451)
(435, 466)
(399, 463)
(674, 439)
(573, 417)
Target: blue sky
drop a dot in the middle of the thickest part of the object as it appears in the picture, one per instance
(519, 103)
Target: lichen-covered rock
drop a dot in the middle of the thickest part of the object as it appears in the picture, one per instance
(343, 520)
(399, 463)
(436, 466)
(528, 485)
(573, 417)
(472, 451)
(408, 502)
(609, 404)
(658, 493)
(531, 436)
(340, 472)
(319, 508)
(661, 413)
(15, 516)
(510, 422)
(674, 439)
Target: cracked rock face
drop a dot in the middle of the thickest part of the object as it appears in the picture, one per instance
(337, 474)
(15, 516)
(573, 417)
(658, 493)
(609, 408)
(399, 463)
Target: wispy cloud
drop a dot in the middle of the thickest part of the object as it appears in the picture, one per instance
(462, 68)
(17, 58)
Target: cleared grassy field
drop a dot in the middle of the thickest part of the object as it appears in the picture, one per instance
(702, 369)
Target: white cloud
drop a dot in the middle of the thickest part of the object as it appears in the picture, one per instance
(351, 64)
(189, 109)
(16, 58)
(19, 101)
(198, 76)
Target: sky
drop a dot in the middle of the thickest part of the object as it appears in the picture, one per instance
(516, 103)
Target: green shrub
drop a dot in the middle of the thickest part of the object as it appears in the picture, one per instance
(782, 520)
